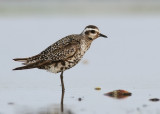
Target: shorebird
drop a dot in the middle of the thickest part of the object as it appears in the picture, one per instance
(63, 54)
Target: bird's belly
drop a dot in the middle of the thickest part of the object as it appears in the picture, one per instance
(62, 66)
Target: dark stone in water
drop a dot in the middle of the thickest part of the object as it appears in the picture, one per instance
(154, 99)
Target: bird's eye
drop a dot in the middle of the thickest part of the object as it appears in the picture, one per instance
(92, 31)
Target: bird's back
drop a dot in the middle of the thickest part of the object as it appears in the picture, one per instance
(55, 51)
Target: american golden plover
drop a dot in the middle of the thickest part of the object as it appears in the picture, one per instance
(63, 54)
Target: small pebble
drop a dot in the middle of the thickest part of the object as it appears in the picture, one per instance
(97, 88)
(79, 99)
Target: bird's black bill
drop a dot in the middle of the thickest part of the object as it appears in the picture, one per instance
(102, 35)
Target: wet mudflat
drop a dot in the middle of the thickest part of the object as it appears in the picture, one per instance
(82, 101)
(128, 60)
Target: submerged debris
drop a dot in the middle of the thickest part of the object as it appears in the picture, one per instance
(154, 99)
(144, 105)
(97, 88)
(119, 94)
(10, 103)
(85, 62)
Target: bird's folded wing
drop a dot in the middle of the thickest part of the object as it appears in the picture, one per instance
(61, 50)
(63, 53)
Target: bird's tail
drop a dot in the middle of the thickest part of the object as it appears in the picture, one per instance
(36, 64)
(24, 60)
(21, 59)
(23, 67)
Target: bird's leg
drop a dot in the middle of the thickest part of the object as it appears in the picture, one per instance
(62, 97)
(62, 83)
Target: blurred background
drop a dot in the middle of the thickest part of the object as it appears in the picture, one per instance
(78, 7)
(128, 59)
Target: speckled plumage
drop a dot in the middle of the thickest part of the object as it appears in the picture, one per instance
(63, 54)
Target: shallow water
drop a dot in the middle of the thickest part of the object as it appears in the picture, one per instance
(128, 59)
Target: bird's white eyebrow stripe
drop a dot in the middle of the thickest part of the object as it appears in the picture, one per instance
(88, 29)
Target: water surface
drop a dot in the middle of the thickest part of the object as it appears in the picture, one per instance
(128, 59)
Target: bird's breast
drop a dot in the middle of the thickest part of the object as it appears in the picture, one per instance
(84, 47)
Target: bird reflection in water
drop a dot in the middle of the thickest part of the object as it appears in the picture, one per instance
(51, 109)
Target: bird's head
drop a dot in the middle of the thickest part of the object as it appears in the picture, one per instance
(92, 32)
